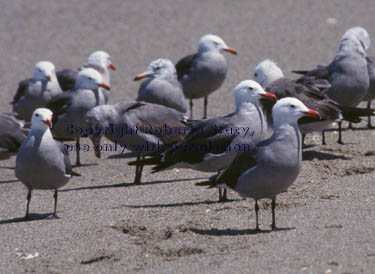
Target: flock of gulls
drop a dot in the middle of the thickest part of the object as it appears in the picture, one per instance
(256, 150)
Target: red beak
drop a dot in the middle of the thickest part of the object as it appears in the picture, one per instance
(231, 50)
(48, 123)
(141, 76)
(312, 113)
(105, 86)
(112, 67)
(48, 77)
(270, 96)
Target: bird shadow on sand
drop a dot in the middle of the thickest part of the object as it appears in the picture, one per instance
(177, 204)
(7, 167)
(84, 165)
(312, 154)
(32, 217)
(130, 184)
(8, 181)
(123, 155)
(235, 232)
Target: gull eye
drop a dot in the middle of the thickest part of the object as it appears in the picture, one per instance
(292, 106)
(37, 115)
(89, 78)
(256, 74)
(251, 88)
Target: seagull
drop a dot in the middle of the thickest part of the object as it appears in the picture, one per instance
(274, 164)
(13, 133)
(69, 108)
(348, 72)
(141, 127)
(309, 91)
(98, 60)
(162, 87)
(213, 143)
(36, 92)
(203, 72)
(42, 162)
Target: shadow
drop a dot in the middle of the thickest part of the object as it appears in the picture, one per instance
(84, 165)
(7, 167)
(123, 155)
(312, 154)
(6, 155)
(32, 217)
(8, 181)
(235, 232)
(178, 204)
(130, 184)
(308, 146)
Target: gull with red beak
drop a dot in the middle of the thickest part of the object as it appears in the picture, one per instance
(203, 72)
(162, 86)
(42, 162)
(36, 92)
(70, 107)
(274, 164)
(98, 60)
(225, 135)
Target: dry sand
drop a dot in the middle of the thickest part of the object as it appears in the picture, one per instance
(168, 225)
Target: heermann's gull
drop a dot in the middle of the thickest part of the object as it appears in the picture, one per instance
(42, 162)
(98, 60)
(35, 93)
(309, 91)
(203, 72)
(12, 134)
(162, 87)
(140, 127)
(213, 143)
(69, 108)
(274, 164)
(347, 73)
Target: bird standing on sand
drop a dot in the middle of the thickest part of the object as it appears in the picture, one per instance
(162, 87)
(36, 92)
(69, 108)
(274, 164)
(42, 162)
(212, 144)
(203, 72)
(98, 60)
(348, 71)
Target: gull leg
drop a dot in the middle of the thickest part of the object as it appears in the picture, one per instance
(340, 139)
(350, 126)
(205, 107)
(369, 125)
(191, 108)
(323, 137)
(138, 171)
(303, 140)
(55, 197)
(273, 205)
(78, 148)
(256, 216)
(28, 203)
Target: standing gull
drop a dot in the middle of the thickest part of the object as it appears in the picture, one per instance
(309, 91)
(162, 87)
(348, 72)
(140, 127)
(98, 60)
(274, 164)
(35, 93)
(203, 72)
(42, 162)
(212, 144)
(69, 108)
